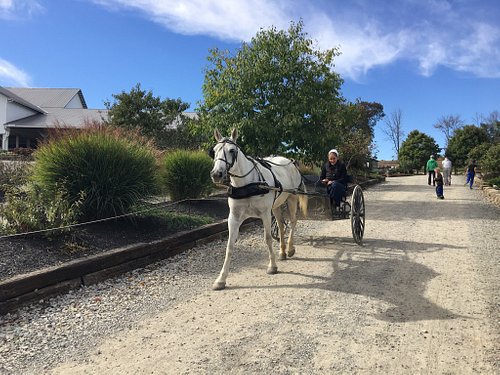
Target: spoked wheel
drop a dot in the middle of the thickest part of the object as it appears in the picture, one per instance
(358, 215)
(275, 230)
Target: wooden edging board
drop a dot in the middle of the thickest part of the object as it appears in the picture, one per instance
(50, 281)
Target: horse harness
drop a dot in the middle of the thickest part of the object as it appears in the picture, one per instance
(253, 188)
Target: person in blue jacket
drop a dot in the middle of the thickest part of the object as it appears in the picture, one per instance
(471, 173)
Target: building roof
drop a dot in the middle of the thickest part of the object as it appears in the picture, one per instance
(11, 96)
(73, 117)
(48, 97)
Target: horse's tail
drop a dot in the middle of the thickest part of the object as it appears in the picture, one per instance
(303, 200)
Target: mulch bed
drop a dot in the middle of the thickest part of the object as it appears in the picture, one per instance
(24, 254)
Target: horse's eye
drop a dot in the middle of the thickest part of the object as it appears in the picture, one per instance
(211, 153)
(232, 151)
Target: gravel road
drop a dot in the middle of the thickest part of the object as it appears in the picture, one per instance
(420, 297)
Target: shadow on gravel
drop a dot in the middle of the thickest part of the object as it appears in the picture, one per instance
(376, 245)
(401, 283)
(386, 274)
(383, 274)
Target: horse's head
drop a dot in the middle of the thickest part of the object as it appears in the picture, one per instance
(225, 154)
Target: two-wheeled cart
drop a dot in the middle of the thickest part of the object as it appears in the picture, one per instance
(320, 207)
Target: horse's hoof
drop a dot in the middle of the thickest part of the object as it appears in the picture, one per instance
(282, 256)
(291, 252)
(272, 270)
(219, 285)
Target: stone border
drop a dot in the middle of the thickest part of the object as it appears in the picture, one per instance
(491, 193)
(50, 281)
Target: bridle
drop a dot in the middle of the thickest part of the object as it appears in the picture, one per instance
(230, 164)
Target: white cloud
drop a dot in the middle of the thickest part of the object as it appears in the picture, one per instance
(224, 19)
(18, 9)
(429, 33)
(12, 76)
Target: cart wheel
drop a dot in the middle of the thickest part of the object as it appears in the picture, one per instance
(358, 215)
(275, 231)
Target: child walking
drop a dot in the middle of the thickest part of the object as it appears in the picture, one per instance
(439, 184)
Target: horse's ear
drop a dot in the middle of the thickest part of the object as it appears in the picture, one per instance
(234, 134)
(217, 135)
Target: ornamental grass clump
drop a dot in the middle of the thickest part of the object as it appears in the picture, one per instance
(111, 167)
(187, 174)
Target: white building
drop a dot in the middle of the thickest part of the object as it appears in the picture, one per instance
(26, 114)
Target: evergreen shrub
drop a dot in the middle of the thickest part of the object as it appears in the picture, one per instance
(186, 174)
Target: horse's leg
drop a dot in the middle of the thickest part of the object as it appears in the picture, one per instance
(272, 268)
(292, 209)
(278, 214)
(234, 228)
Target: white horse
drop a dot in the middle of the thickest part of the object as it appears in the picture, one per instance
(247, 199)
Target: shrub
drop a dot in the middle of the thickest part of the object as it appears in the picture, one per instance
(13, 174)
(33, 209)
(114, 168)
(308, 169)
(23, 151)
(187, 174)
(490, 163)
(494, 181)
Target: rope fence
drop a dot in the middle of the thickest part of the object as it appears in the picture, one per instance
(163, 204)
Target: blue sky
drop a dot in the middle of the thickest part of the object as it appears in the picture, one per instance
(428, 58)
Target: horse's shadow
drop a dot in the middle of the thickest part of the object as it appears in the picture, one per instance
(395, 280)
(374, 245)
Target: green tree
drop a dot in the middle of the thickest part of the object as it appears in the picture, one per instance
(369, 113)
(416, 149)
(278, 91)
(490, 163)
(150, 114)
(355, 124)
(463, 142)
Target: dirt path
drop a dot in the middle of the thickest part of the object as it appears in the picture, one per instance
(420, 297)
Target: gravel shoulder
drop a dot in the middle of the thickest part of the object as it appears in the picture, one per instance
(421, 296)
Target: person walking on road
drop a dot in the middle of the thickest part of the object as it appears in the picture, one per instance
(471, 173)
(439, 184)
(447, 171)
(430, 167)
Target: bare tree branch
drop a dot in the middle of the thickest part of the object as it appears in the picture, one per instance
(394, 129)
(448, 124)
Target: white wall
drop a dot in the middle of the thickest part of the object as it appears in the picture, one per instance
(74, 103)
(3, 112)
(16, 112)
